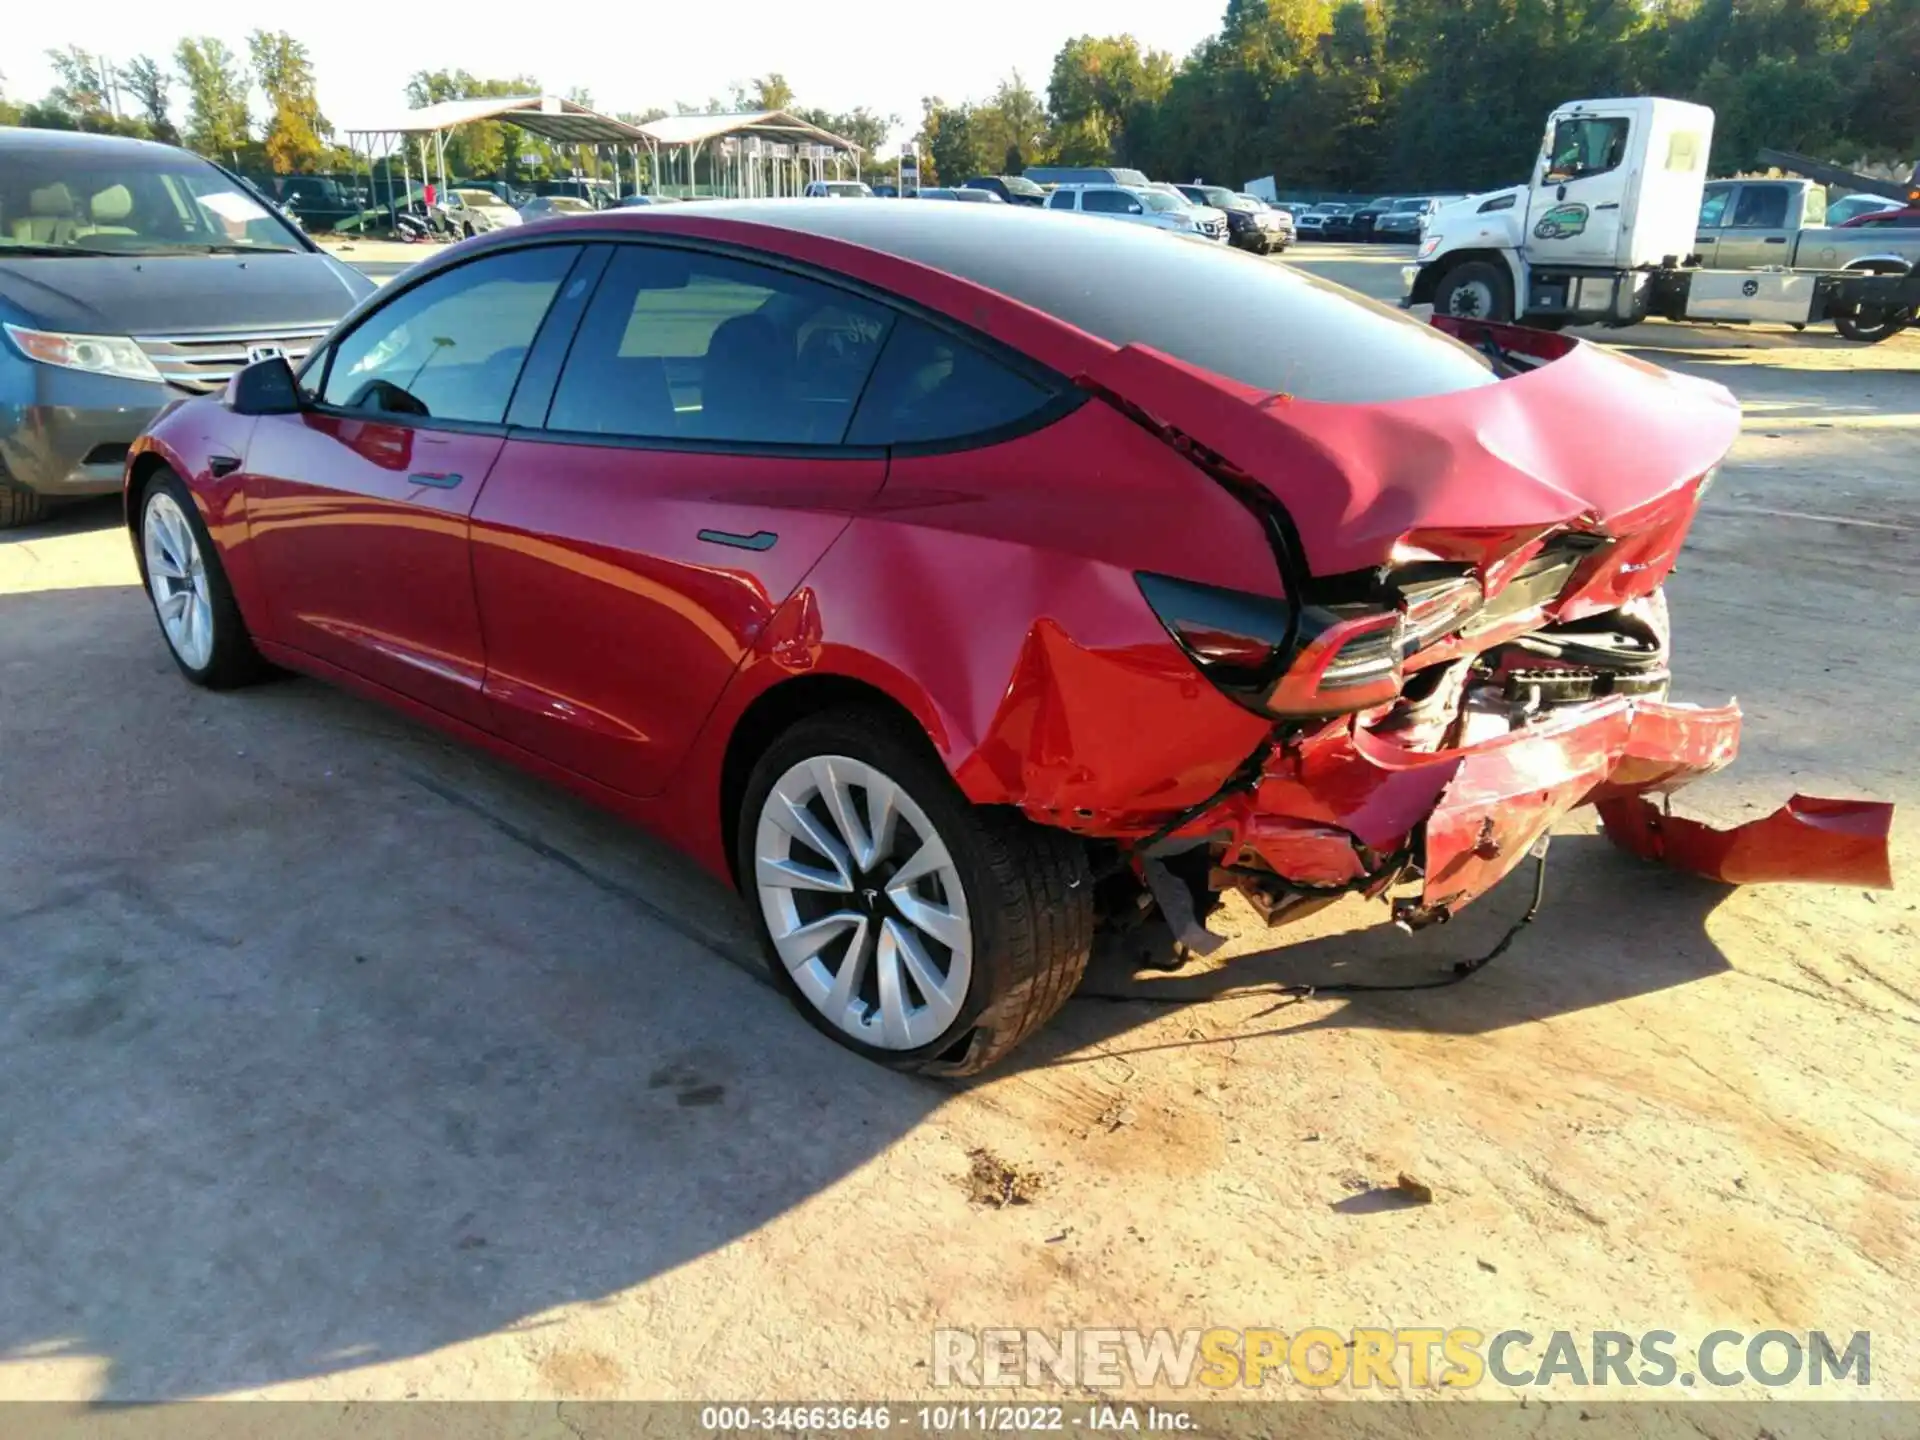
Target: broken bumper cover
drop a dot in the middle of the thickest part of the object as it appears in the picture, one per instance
(1808, 839)
(1352, 810)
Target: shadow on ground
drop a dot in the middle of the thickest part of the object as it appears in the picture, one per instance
(78, 518)
(324, 1043)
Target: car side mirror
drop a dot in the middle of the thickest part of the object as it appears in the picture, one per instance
(265, 387)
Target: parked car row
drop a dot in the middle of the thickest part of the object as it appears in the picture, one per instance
(1389, 219)
(1210, 212)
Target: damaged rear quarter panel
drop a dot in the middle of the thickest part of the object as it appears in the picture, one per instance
(1586, 441)
(1040, 672)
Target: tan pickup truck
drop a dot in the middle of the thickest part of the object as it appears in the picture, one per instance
(1752, 224)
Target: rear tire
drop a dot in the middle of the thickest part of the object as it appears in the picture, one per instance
(979, 947)
(192, 601)
(20, 507)
(1874, 324)
(1476, 290)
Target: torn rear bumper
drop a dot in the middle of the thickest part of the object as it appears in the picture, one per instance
(1350, 809)
(1834, 842)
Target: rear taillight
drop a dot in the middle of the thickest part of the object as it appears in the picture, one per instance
(1434, 609)
(1349, 662)
(1235, 638)
(1290, 661)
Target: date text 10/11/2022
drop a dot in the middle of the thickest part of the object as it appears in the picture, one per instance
(943, 1419)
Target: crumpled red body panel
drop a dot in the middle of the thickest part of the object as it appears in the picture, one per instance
(1511, 792)
(1345, 805)
(1809, 839)
(1473, 475)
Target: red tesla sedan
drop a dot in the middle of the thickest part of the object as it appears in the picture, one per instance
(969, 582)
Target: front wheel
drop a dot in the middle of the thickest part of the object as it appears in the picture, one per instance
(188, 587)
(909, 925)
(1476, 290)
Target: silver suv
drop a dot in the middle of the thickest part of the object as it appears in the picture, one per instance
(1141, 205)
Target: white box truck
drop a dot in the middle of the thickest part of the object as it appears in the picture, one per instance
(1605, 233)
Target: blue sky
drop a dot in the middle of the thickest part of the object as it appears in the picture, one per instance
(851, 52)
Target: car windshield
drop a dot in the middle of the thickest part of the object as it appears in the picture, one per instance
(1217, 196)
(1402, 207)
(1161, 201)
(1241, 202)
(476, 197)
(126, 200)
(1854, 205)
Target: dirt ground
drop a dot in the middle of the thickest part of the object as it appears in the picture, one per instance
(338, 1062)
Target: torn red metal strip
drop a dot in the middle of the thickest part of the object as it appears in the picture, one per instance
(1809, 840)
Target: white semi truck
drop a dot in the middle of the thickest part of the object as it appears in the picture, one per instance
(1605, 233)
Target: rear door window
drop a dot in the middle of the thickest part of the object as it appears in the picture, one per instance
(679, 345)
(1761, 207)
(930, 386)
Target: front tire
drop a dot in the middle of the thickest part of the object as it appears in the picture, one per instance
(1476, 290)
(192, 600)
(19, 507)
(912, 927)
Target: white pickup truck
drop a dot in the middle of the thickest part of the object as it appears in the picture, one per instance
(1608, 232)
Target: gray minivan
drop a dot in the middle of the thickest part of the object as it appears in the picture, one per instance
(131, 275)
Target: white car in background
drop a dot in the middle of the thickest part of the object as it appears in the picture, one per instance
(1138, 204)
(541, 207)
(1213, 220)
(475, 212)
(838, 190)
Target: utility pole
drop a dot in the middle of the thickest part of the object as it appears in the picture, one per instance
(110, 83)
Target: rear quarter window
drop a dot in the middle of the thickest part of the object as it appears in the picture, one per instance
(929, 386)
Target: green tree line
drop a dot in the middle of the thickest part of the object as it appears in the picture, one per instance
(136, 99)
(1343, 95)
(1353, 95)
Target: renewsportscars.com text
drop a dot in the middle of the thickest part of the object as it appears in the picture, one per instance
(1416, 1358)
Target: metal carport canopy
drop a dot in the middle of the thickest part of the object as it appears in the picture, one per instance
(551, 117)
(548, 116)
(768, 124)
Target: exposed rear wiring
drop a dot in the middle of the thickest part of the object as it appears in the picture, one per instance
(1462, 969)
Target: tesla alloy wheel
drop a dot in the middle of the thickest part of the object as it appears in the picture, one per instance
(191, 599)
(911, 926)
